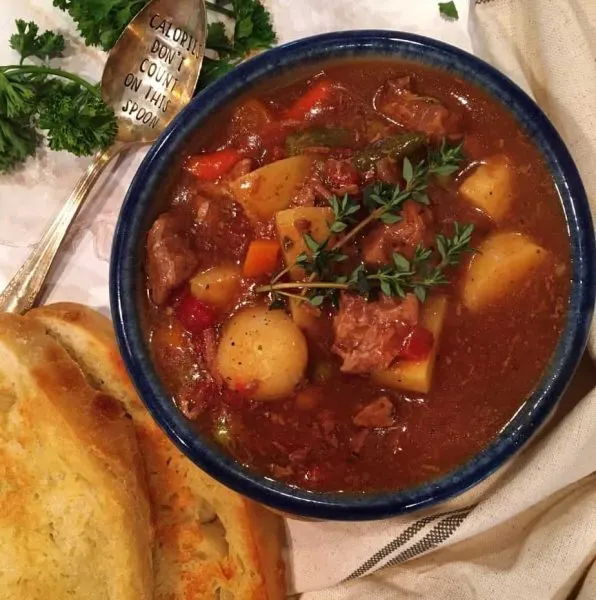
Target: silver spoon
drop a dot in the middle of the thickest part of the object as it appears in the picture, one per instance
(150, 74)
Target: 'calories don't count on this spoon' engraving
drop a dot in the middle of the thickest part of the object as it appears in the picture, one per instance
(153, 86)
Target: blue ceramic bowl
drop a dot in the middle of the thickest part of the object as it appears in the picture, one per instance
(139, 210)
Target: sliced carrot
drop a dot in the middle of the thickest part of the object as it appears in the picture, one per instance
(261, 258)
(209, 167)
(311, 99)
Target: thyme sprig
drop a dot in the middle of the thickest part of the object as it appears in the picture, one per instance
(385, 200)
(343, 216)
(343, 211)
(424, 271)
(384, 203)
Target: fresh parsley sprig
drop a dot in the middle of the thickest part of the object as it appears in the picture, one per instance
(252, 31)
(28, 43)
(39, 97)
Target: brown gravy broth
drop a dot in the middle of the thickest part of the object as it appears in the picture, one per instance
(488, 361)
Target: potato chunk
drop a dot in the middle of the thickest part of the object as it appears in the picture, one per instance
(417, 375)
(293, 223)
(217, 285)
(305, 315)
(262, 352)
(271, 188)
(490, 187)
(503, 261)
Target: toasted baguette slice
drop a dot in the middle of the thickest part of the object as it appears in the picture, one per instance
(74, 510)
(210, 542)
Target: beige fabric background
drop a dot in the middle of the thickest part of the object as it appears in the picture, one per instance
(533, 535)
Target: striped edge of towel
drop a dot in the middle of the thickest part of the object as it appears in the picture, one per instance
(420, 537)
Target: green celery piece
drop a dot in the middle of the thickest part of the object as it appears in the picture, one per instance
(396, 147)
(317, 136)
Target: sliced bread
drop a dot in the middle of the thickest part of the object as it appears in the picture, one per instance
(74, 509)
(211, 543)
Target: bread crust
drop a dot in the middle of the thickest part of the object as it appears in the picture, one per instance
(234, 547)
(74, 509)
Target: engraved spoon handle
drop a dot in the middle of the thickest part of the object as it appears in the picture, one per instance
(23, 289)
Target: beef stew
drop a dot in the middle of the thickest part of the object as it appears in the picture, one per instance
(361, 274)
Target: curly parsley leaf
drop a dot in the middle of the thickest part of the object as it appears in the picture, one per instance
(66, 107)
(76, 120)
(448, 10)
(253, 30)
(28, 43)
(18, 141)
(17, 95)
(100, 22)
(213, 69)
(217, 38)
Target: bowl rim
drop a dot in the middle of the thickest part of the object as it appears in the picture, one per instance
(124, 270)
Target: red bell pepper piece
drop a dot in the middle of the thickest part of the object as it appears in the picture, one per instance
(209, 167)
(312, 98)
(195, 316)
(418, 344)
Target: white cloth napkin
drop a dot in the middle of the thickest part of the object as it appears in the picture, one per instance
(528, 533)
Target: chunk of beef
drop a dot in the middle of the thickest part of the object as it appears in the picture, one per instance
(312, 190)
(379, 413)
(266, 230)
(418, 113)
(273, 154)
(208, 345)
(321, 192)
(370, 335)
(222, 227)
(170, 257)
(328, 424)
(341, 176)
(402, 237)
(213, 191)
(358, 440)
(387, 170)
(248, 128)
(197, 397)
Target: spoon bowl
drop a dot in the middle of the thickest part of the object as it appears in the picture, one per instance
(150, 75)
(153, 68)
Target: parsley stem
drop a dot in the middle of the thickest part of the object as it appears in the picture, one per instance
(220, 9)
(51, 71)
